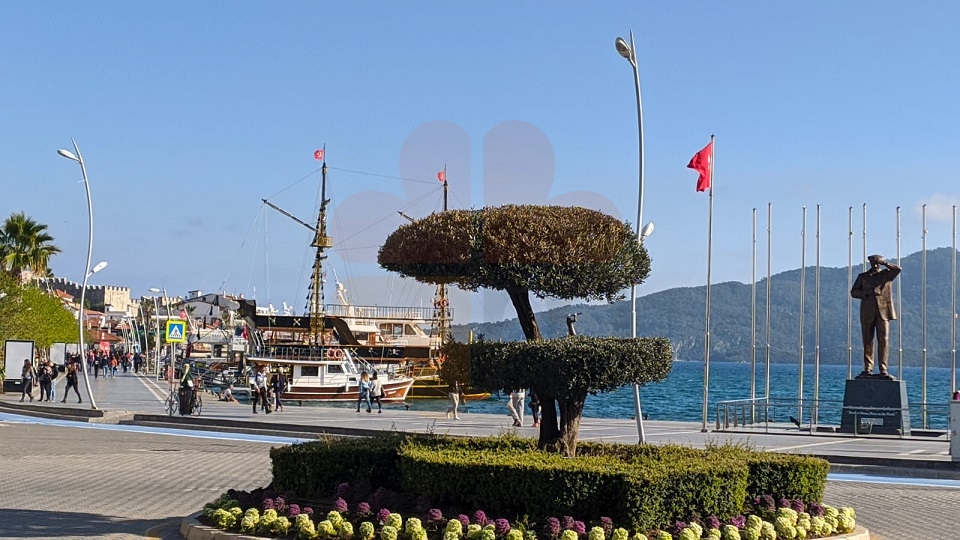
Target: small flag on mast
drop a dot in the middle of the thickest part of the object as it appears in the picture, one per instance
(318, 155)
(701, 162)
(442, 176)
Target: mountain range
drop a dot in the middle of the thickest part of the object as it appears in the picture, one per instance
(679, 314)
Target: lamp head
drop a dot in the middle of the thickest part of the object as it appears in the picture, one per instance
(98, 267)
(646, 231)
(153, 290)
(68, 154)
(624, 49)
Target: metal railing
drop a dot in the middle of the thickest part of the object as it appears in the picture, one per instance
(384, 312)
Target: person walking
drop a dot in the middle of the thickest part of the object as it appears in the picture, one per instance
(376, 391)
(71, 382)
(454, 396)
(516, 405)
(27, 377)
(279, 385)
(535, 408)
(54, 373)
(43, 376)
(260, 386)
(364, 387)
(873, 288)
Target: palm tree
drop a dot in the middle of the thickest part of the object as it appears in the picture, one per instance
(25, 245)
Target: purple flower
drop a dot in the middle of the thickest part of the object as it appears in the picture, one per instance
(434, 514)
(738, 521)
(713, 522)
(815, 509)
(363, 508)
(768, 502)
(280, 504)
(464, 520)
(607, 525)
(501, 527)
(382, 515)
(480, 517)
(340, 505)
(293, 510)
(307, 510)
(678, 527)
(552, 528)
(343, 489)
(268, 504)
(567, 522)
(580, 527)
(783, 503)
(797, 506)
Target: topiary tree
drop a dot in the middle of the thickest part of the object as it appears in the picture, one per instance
(567, 369)
(549, 251)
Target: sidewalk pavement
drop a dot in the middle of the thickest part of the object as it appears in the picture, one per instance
(138, 399)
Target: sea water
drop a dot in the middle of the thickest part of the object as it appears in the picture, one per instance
(680, 395)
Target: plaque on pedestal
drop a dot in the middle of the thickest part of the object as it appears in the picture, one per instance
(875, 405)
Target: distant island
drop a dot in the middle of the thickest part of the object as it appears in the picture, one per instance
(679, 315)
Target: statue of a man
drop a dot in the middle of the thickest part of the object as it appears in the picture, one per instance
(876, 310)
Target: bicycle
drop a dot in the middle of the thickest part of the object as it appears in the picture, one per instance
(172, 404)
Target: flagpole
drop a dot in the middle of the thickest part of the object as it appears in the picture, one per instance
(816, 333)
(899, 285)
(766, 388)
(753, 318)
(803, 290)
(849, 287)
(706, 337)
(923, 314)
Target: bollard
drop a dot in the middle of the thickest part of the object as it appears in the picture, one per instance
(955, 427)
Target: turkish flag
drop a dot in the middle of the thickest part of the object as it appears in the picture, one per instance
(442, 176)
(702, 162)
(318, 155)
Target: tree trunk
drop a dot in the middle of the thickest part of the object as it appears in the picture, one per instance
(571, 411)
(528, 321)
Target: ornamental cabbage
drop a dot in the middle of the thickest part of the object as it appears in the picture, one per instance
(714, 534)
(844, 524)
(249, 522)
(751, 534)
(640, 536)
(788, 513)
(325, 529)
(754, 521)
(394, 520)
(847, 511)
(345, 530)
(818, 526)
(663, 535)
(729, 532)
(281, 526)
(696, 528)
(334, 518)
(305, 528)
(454, 526)
(486, 534)
(620, 534)
(596, 533)
(388, 532)
(413, 525)
(366, 531)
(569, 534)
(801, 532)
(223, 519)
(689, 534)
(514, 534)
(829, 511)
(767, 531)
(474, 531)
(450, 536)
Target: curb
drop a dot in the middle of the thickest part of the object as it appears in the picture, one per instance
(67, 413)
(191, 529)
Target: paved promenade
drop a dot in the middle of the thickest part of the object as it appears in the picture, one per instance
(110, 484)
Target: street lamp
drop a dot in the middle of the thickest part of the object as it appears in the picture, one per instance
(629, 52)
(87, 271)
(156, 310)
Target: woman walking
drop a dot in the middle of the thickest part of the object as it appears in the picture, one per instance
(364, 391)
(376, 392)
(27, 376)
(454, 396)
(279, 384)
(71, 383)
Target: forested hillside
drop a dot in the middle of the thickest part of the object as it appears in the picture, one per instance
(679, 315)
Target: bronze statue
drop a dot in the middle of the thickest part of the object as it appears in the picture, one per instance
(876, 311)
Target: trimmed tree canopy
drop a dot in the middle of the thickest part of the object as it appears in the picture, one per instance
(556, 251)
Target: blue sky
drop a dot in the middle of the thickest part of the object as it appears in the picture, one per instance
(188, 113)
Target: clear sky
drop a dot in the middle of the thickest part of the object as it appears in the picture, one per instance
(189, 113)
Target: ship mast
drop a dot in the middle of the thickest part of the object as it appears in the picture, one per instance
(321, 242)
(441, 304)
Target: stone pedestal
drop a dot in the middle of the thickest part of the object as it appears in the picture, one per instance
(875, 405)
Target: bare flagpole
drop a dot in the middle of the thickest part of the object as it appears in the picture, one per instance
(923, 314)
(953, 309)
(816, 333)
(899, 284)
(864, 237)
(803, 290)
(766, 394)
(706, 337)
(849, 298)
(753, 318)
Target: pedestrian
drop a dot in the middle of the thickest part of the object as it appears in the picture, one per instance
(516, 406)
(535, 408)
(96, 367)
(376, 392)
(43, 376)
(54, 373)
(454, 396)
(113, 368)
(278, 383)
(27, 379)
(364, 388)
(260, 389)
(71, 382)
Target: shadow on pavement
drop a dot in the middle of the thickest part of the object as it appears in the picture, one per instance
(19, 523)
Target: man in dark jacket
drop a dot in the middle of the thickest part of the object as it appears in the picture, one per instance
(876, 310)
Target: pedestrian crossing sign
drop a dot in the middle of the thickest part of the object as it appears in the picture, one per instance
(176, 331)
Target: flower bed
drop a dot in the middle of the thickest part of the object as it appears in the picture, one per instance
(276, 517)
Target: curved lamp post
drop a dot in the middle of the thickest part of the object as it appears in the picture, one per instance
(87, 271)
(629, 52)
(156, 310)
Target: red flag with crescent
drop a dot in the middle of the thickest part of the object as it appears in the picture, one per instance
(442, 176)
(318, 155)
(701, 162)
